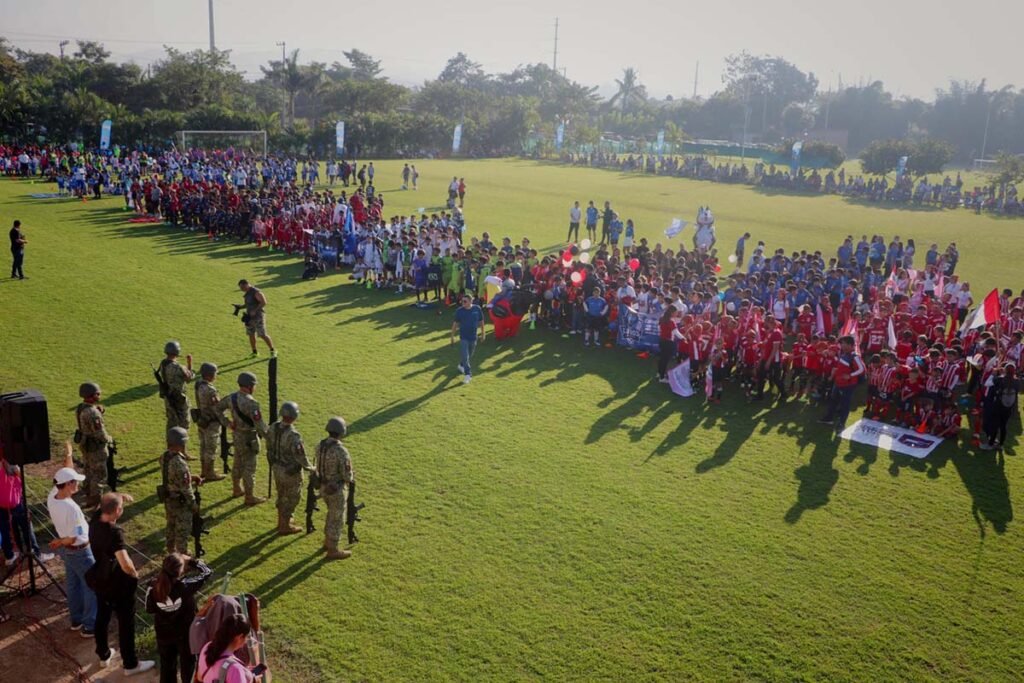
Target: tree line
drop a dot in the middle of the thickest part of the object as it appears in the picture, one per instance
(767, 98)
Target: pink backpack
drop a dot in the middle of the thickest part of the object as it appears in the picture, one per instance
(10, 488)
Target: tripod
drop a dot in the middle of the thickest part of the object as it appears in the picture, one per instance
(31, 558)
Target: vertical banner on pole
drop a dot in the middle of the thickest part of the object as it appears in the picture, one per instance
(457, 139)
(559, 135)
(105, 134)
(339, 137)
(794, 165)
(901, 167)
(661, 142)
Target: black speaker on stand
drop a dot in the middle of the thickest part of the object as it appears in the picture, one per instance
(25, 435)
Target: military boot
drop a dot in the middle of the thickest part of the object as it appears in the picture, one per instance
(210, 472)
(334, 554)
(285, 526)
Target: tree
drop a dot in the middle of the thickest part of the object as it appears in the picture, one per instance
(772, 80)
(364, 67)
(91, 51)
(462, 70)
(183, 80)
(630, 90)
(929, 155)
(1009, 169)
(796, 119)
(291, 77)
(882, 156)
(923, 156)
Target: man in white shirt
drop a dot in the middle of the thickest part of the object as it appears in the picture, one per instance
(575, 214)
(72, 543)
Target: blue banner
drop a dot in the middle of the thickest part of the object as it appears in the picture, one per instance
(339, 137)
(901, 167)
(105, 134)
(661, 142)
(559, 135)
(457, 139)
(794, 165)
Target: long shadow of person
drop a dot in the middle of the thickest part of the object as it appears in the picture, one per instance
(984, 477)
(817, 479)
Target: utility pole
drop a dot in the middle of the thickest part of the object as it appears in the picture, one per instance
(696, 76)
(62, 44)
(554, 61)
(283, 58)
(988, 120)
(213, 44)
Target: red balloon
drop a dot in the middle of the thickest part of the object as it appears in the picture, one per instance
(567, 255)
(634, 263)
(718, 268)
(576, 278)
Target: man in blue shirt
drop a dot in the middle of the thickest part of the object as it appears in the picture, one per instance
(468, 319)
(592, 222)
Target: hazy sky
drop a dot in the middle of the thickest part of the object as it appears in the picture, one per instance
(914, 46)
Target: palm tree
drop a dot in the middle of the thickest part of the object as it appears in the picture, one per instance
(291, 77)
(630, 89)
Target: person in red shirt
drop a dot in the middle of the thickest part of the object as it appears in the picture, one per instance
(948, 424)
(798, 358)
(905, 346)
(750, 361)
(771, 360)
(910, 391)
(805, 321)
(877, 334)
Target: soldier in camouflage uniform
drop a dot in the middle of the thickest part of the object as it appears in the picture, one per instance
(210, 421)
(92, 441)
(248, 425)
(334, 468)
(179, 499)
(287, 456)
(175, 378)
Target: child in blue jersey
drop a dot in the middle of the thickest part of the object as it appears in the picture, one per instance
(597, 317)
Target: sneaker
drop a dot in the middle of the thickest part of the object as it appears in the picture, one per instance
(142, 666)
(44, 557)
(572, 331)
(663, 380)
(105, 663)
(985, 446)
(255, 353)
(88, 632)
(76, 627)
(273, 353)
(586, 343)
(462, 369)
(466, 379)
(14, 559)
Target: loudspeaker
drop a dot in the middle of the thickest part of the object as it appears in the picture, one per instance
(24, 427)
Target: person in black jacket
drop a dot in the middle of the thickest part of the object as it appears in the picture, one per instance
(114, 578)
(171, 598)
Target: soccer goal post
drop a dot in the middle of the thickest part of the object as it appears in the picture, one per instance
(222, 139)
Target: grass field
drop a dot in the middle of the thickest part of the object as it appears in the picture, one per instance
(562, 516)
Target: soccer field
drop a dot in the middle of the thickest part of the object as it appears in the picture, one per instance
(562, 516)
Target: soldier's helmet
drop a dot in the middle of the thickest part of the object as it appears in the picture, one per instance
(246, 379)
(290, 409)
(207, 370)
(172, 347)
(336, 425)
(177, 436)
(87, 389)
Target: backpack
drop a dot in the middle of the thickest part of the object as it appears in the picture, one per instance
(10, 488)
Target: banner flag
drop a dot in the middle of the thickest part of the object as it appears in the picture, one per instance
(661, 142)
(339, 137)
(559, 135)
(892, 438)
(105, 134)
(457, 139)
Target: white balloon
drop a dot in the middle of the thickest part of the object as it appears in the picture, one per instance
(584, 257)
(585, 244)
(732, 258)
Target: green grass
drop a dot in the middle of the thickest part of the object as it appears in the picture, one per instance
(562, 516)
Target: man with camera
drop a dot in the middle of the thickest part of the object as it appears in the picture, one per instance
(176, 492)
(254, 317)
(287, 456)
(173, 378)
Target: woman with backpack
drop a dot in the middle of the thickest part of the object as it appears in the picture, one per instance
(217, 660)
(999, 405)
(171, 598)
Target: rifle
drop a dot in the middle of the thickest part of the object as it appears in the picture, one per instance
(198, 526)
(311, 503)
(272, 390)
(113, 473)
(164, 390)
(352, 512)
(225, 449)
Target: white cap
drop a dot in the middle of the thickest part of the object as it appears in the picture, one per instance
(66, 474)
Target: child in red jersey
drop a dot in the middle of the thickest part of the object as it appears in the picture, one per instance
(927, 417)
(948, 424)
(910, 391)
(874, 374)
(905, 346)
(798, 360)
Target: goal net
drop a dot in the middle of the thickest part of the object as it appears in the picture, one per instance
(242, 140)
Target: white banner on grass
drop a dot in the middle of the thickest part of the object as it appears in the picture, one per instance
(679, 379)
(891, 438)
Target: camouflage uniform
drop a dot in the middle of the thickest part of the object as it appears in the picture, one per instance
(256, 322)
(209, 436)
(287, 456)
(334, 466)
(94, 450)
(248, 427)
(180, 502)
(176, 376)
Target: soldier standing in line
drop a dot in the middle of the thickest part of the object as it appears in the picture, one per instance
(334, 468)
(248, 426)
(177, 495)
(287, 456)
(92, 439)
(175, 378)
(210, 422)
